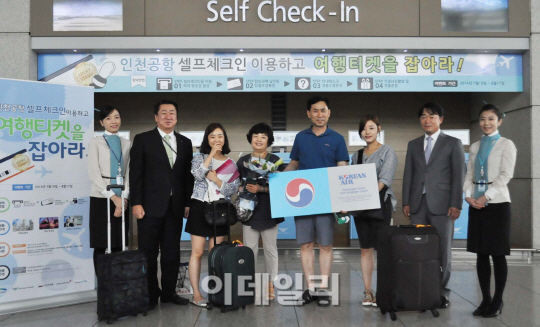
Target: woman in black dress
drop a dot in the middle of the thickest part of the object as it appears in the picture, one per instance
(490, 169)
(108, 158)
(261, 223)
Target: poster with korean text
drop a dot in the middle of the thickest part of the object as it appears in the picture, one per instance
(44, 190)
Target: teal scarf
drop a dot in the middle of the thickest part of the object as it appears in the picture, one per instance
(481, 163)
(115, 146)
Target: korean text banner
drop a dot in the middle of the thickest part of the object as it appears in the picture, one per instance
(44, 190)
(285, 72)
(324, 190)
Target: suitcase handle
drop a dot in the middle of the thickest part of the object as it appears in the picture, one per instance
(122, 187)
(413, 226)
(109, 194)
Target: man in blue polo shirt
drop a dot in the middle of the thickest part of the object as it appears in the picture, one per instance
(317, 147)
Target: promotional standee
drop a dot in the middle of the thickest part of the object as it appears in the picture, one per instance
(44, 190)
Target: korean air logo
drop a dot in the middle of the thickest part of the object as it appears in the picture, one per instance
(299, 192)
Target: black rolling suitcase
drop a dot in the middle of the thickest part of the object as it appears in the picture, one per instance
(122, 278)
(409, 269)
(233, 265)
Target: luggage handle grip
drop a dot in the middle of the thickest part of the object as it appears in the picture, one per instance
(413, 226)
(122, 187)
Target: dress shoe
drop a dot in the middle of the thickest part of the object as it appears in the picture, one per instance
(481, 310)
(152, 306)
(175, 299)
(445, 303)
(494, 310)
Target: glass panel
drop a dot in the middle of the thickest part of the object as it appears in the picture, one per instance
(474, 15)
(84, 15)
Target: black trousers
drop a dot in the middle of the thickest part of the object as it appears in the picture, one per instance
(161, 232)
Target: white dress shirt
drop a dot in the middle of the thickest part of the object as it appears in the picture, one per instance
(172, 142)
(435, 136)
(493, 134)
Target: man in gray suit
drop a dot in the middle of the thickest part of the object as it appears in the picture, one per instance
(433, 183)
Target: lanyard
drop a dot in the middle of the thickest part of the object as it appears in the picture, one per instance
(119, 160)
(482, 160)
(163, 138)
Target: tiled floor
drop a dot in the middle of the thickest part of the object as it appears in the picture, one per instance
(522, 303)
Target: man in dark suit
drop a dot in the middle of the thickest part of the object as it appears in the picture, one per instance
(433, 184)
(161, 185)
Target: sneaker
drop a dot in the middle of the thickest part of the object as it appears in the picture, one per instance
(369, 298)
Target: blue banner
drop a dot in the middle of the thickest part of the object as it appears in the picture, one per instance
(462, 223)
(285, 72)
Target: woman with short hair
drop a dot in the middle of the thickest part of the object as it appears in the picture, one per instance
(256, 166)
(490, 169)
(108, 158)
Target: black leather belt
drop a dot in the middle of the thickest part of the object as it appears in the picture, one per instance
(482, 183)
(110, 177)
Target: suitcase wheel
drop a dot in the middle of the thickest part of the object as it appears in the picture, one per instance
(109, 322)
(144, 314)
(223, 309)
(209, 306)
(393, 316)
(383, 312)
(244, 307)
(435, 313)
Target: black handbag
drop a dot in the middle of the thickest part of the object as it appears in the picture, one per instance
(373, 214)
(220, 211)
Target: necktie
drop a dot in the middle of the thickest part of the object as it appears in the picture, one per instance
(427, 154)
(168, 149)
(428, 149)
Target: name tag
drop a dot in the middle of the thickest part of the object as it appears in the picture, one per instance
(481, 185)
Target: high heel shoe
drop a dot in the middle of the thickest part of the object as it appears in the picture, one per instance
(493, 311)
(482, 309)
(270, 292)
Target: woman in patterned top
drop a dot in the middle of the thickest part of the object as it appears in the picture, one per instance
(214, 148)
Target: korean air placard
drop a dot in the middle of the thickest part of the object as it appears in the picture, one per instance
(324, 190)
